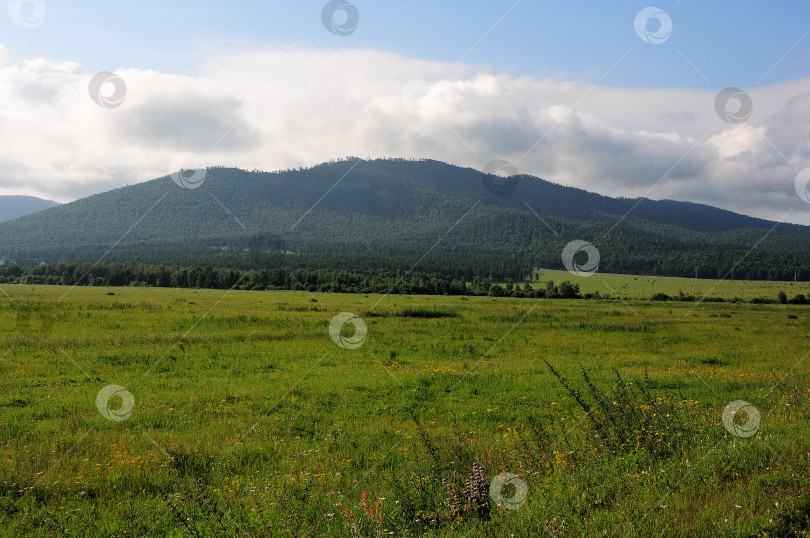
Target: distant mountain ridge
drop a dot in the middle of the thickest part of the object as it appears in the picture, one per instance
(12, 207)
(397, 207)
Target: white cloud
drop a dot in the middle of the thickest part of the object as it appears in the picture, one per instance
(739, 139)
(274, 109)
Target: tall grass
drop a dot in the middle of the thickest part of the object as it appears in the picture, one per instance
(628, 416)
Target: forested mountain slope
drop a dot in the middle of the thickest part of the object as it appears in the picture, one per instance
(12, 207)
(400, 208)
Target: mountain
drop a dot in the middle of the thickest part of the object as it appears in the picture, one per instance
(354, 210)
(12, 207)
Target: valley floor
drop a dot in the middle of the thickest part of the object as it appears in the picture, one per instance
(180, 412)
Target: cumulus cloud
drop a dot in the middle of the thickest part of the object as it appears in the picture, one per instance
(272, 109)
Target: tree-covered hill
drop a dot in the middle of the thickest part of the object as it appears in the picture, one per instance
(12, 207)
(355, 211)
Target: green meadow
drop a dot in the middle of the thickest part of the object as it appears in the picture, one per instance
(643, 287)
(237, 413)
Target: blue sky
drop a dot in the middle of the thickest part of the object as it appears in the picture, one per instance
(580, 93)
(731, 43)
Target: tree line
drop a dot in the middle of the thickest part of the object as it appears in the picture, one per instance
(378, 280)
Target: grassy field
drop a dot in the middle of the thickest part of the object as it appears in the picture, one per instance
(643, 287)
(247, 418)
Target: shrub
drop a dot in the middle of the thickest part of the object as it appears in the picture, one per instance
(496, 290)
(798, 299)
(660, 297)
(630, 417)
